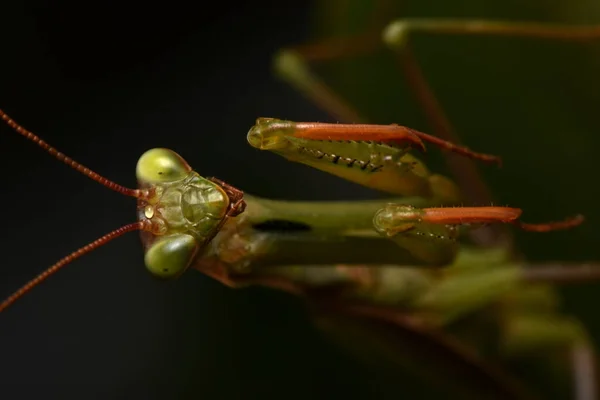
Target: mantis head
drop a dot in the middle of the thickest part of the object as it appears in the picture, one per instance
(185, 208)
(179, 212)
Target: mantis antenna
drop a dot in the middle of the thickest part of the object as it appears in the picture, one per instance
(137, 193)
(66, 260)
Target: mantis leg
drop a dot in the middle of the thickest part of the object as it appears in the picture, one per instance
(527, 335)
(292, 65)
(397, 37)
(533, 333)
(582, 354)
(420, 229)
(585, 371)
(376, 156)
(479, 277)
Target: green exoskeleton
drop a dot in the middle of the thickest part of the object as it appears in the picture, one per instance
(402, 267)
(497, 312)
(406, 252)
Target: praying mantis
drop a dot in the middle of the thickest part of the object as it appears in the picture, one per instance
(341, 270)
(399, 36)
(190, 221)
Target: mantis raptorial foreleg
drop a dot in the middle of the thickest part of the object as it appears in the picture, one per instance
(526, 313)
(293, 66)
(190, 221)
(397, 38)
(528, 323)
(376, 156)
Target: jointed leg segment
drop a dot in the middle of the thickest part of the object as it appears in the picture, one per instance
(292, 65)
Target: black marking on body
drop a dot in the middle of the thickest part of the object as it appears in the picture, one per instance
(281, 225)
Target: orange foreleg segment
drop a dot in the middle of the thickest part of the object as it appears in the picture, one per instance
(396, 134)
(359, 132)
(483, 215)
(397, 217)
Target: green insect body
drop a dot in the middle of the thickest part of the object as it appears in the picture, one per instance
(277, 232)
(401, 260)
(483, 307)
(377, 252)
(358, 250)
(481, 310)
(397, 276)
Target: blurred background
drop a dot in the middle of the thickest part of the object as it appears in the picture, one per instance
(103, 82)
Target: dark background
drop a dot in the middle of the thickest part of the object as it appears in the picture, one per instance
(104, 82)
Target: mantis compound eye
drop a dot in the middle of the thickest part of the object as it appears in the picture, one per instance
(160, 166)
(169, 256)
